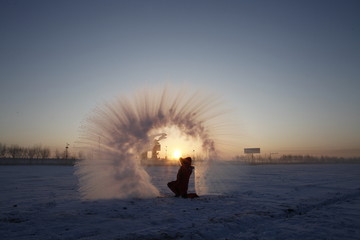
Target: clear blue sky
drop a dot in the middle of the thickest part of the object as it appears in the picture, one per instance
(289, 69)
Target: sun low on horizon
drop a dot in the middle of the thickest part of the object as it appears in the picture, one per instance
(177, 154)
(175, 143)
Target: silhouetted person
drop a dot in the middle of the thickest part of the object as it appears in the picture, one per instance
(180, 186)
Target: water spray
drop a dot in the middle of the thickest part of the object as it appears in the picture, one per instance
(127, 128)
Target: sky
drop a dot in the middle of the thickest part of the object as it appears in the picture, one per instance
(289, 70)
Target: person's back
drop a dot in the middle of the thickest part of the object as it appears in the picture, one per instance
(180, 186)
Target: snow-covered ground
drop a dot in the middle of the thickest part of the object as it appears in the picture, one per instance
(263, 202)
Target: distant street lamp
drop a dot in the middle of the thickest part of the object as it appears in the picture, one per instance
(66, 150)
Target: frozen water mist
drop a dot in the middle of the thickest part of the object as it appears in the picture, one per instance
(115, 135)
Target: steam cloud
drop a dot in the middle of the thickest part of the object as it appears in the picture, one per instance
(117, 133)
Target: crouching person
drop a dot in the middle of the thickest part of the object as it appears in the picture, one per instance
(180, 186)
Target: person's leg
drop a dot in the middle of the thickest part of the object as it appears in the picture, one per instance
(173, 187)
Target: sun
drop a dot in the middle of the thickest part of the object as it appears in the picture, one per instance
(177, 154)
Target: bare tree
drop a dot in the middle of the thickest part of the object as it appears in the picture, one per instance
(31, 152)
(24, 152)
(3, 150)
(15, 151)
(45, 153)
(37, 150)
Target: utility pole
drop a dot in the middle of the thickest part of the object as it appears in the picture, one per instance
(66, 150)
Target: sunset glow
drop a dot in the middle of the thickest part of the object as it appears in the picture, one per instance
(263, 62)
(177, 154)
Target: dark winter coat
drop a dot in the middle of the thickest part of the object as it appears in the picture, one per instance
(180, 186)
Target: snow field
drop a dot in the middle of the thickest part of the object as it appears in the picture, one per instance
(260, 202)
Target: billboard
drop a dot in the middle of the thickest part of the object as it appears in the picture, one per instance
(251, 150)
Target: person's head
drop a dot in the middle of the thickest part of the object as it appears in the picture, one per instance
(185, 161)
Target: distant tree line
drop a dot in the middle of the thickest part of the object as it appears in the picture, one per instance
(16, 151)
(34, 152)
(295, 159)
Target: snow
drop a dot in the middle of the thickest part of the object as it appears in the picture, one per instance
(260, 202)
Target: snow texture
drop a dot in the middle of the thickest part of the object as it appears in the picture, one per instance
(261, 202)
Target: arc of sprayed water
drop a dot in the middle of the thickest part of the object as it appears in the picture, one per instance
(114, 171)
